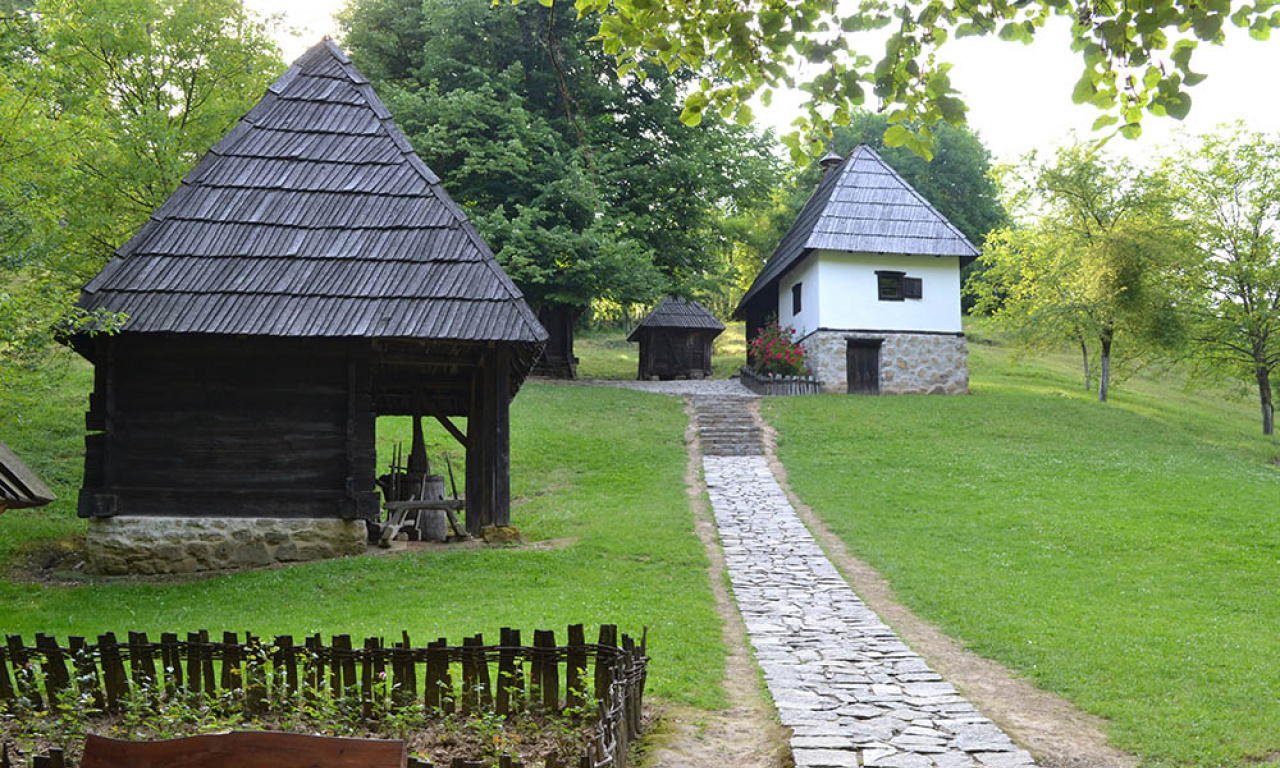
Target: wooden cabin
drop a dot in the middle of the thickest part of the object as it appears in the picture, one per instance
(557, 360)
(868, 277)
(675, 340)
(309, 275)
(19, 486)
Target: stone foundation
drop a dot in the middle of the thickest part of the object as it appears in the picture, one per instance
(157, 545)
(910, 363)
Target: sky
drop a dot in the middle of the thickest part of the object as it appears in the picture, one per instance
(1019, 96)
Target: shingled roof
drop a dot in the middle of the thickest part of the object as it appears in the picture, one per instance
(864, 206)
(313, 217)
(19, 486)
(675, 312)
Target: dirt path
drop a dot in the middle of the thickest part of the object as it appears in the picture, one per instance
(1054, 731)
(747, 733)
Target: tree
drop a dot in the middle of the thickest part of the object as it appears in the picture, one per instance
(1136, 56)
(105, 106)
(584, 182)
(1228, 187)
(1089, 261)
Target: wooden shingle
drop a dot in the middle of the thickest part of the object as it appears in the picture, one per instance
(313, 217)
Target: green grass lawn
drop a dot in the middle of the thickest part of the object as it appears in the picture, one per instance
(602, 468)
(606, 354)
(1125, 555)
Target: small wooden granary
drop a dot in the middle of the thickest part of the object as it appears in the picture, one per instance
(309, 275)
(675, 340)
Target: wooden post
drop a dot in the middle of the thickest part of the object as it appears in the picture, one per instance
(56, 679)
(576, 666)
(170, 662)
(113, 676)
(362, 453)
(478, 425)
(195, 662)
(500, 499)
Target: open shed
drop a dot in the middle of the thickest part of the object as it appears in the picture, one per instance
(309, 275)
(675, 340)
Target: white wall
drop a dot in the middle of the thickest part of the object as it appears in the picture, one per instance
(848, 297)
(805, 273)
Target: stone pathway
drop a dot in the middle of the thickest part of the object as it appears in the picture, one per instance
(851, 691)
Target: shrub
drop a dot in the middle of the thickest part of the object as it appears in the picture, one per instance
(774, 351)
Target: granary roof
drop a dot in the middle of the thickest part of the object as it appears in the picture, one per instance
(19, 486)
(864, 206)
(676, 312)
(313, 217)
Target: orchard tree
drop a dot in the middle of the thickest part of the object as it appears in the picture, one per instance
(1136, 57)
(104, 107)
(1228, 186)
(1089, 261)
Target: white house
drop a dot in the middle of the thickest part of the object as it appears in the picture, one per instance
(869, 278)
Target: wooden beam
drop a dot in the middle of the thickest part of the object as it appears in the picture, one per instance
(501, 499)
(446, 423)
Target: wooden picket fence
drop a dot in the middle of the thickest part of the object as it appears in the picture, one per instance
(508, 679)
(770, 384)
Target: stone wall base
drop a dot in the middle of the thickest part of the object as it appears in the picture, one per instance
(157, 545)
(910, 363)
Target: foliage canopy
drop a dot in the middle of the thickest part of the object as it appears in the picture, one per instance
(1136, 57)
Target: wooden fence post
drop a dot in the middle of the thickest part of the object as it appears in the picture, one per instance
(56, 679)
(576, 666)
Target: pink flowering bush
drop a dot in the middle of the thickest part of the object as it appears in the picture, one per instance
(774, 351)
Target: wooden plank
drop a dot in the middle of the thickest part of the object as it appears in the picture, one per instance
(575, 667)
(469, 677)
(368, 676)
(484, 683)
(113, 674)
(448, 697)
(604, 658)
(195, 661)
(546, 641)
(477, 461)
(500, 499)
(506, 673)
(232, 673)
(286, 659)
(206, 662)
(343, 666)
(259, 749)
(56, 679)
(170, 662)
(6, 685)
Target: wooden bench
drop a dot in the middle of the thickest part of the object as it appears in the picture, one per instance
(245, 749)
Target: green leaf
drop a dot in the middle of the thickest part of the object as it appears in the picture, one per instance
(1104, 121)
(896, 136)
(1084, 90)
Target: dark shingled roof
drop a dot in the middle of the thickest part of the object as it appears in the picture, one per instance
(675, 312)
(864, 206)
(313, 217)
(19, 486)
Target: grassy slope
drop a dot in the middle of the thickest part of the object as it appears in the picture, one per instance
(1125, 555)
(600, 465)
(608, 355)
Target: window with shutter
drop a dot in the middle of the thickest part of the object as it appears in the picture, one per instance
(890, 285)
(912, 288)
(795, 299)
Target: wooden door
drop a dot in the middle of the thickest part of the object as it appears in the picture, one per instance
(862, 361)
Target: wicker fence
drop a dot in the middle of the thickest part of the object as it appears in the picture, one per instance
(508, 679)
(774, 385)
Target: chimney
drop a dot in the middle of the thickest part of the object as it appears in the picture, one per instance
(829, 161)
